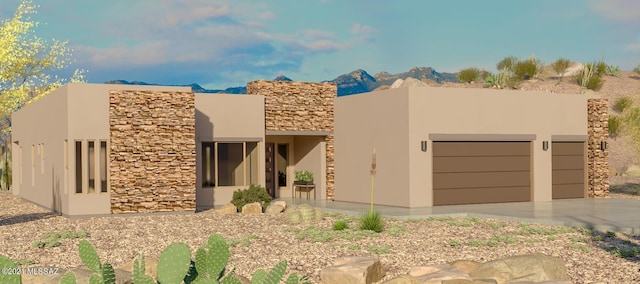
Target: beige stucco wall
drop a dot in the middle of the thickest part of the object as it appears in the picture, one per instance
(227, 118)
(377, 120)
(42, 122)
(301, 107)
(412, 114)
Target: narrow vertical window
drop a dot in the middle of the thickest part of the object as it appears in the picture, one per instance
(42, 158)
(78, 166)
(33, 165)
(208, 173)
(103, 166)
(91, 160)
(65, 152)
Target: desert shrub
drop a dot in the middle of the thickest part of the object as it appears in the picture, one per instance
(484, 74)
(527, 69)
(254, 193)
(589, 77)
(613, 70)
(498, 80)
(615, 126)
(601, 68)
(507, 63)
(595, 83)
(372, 220)
(622, 103)
(340, 225)
(637, 69)
(468, 75)
(560, 66)
(513, 83)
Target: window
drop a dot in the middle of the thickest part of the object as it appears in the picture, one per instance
(78, 166)
(91, 167)
(230, 164)
(33, 165)
(42, 158)
(103, 166)
(282, 162)
(65, 152)
(208, 172)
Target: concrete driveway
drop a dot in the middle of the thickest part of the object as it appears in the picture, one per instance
(619, 215)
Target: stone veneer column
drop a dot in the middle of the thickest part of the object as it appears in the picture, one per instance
(300, 106)
(598, 160)
(153, 162)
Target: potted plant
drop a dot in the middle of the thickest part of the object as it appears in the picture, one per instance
(303, 177)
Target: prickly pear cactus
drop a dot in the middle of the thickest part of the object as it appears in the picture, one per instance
(259, 276)
(89, 256)
(68, 278)
(139, 274)
(217, 256)
(303, 214)
(277, 272)
(174, 263)
(9, 278)
(108, 274)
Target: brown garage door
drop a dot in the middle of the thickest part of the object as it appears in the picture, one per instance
(567, 170)
(481, 172)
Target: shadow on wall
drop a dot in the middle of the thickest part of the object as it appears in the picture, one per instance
(56, 199)
(204, 130)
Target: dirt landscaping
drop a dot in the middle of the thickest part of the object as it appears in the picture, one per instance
(261, 241)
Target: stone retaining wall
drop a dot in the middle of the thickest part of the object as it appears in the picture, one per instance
(153, 162)
(300, 106)
(598, 160)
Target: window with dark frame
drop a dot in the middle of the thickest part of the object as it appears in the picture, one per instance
(103, 166)
(78, 166)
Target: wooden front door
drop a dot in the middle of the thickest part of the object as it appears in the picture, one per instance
(270, 175)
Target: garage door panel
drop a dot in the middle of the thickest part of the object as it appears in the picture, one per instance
(470, 149)
(568, 170)
(481, 195)
(567, 176)
(567, 148)
(486, 179)
(568, 191)
(480, 164)
(567, 162)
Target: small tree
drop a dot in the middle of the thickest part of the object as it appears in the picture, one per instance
(26, 64)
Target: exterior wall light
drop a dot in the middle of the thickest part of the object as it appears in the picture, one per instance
(603, 145)
(423, 146)
(545, 145)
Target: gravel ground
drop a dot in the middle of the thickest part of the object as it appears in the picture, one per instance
(269, 239)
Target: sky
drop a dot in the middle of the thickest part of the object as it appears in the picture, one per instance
(220, 44)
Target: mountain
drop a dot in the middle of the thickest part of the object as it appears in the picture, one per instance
(358, 81)
(420, 73)
(355, 82)
(194, 87)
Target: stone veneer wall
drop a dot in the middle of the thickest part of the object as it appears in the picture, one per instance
(300, 106)
(598, 160)
(153, 162)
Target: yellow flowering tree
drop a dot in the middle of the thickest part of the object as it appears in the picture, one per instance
(26, 65)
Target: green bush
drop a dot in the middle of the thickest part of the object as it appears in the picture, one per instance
(508, 63)
(304, 176)
(560, 66)
(372, 220)
(613, 70)
(615, 126)
(469, 75)
(527, 69)
(595, 83)
(637, 69)
(254, 193)
(340, 225)
(622, 103)
(601, 68)
(498, 80)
